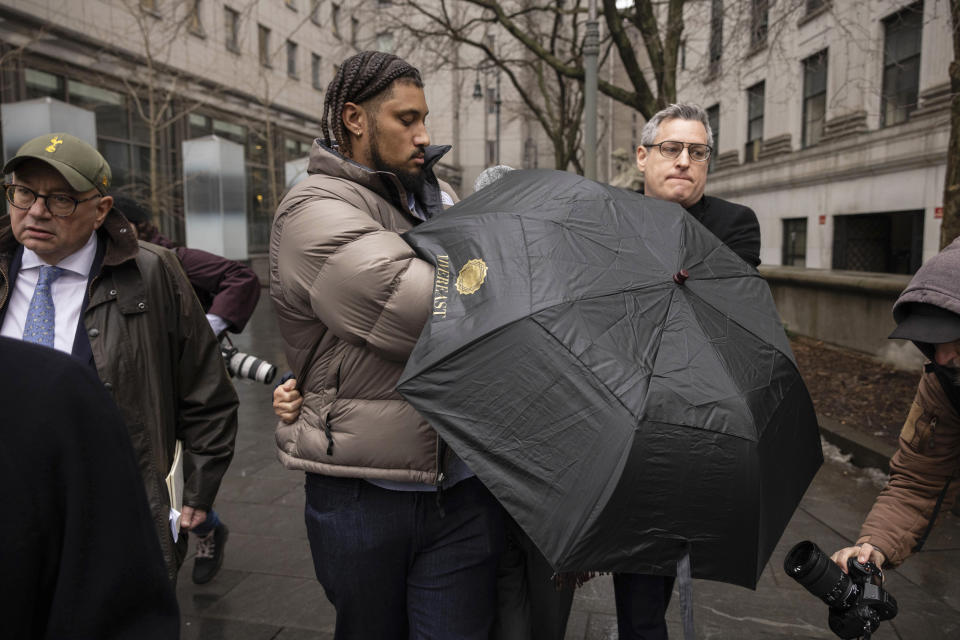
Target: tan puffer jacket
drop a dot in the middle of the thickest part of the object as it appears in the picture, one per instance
(344, 282)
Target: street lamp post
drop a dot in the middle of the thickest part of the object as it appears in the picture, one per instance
(591, 50)
(478, 94)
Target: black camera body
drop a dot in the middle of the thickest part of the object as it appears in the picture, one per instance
(244, 365)
(858, 603)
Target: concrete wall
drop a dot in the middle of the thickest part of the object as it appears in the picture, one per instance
(846, 308)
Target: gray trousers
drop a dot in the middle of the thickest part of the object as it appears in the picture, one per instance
(529, 606)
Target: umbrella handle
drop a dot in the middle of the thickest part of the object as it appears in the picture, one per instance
(681, 276)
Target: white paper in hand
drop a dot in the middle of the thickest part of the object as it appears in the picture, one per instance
(175, 523)
(175, 489)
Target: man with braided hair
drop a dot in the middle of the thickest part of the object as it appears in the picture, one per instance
(405, 540)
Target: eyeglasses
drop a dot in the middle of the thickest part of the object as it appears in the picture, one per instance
(671, 149)
(58, 204)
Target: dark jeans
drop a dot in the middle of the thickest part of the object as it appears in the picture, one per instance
(529, 606)
(393, 567)
(641, 605)
(208, 525)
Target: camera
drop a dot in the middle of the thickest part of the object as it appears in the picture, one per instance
(244, 365)
(857, 601)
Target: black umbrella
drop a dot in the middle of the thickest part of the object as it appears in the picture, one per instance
(616, 376)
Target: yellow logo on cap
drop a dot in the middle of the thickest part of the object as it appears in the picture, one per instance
(104, 180)
(54, 141)
(471, 276)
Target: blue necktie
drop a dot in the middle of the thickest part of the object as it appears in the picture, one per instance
(39, 327)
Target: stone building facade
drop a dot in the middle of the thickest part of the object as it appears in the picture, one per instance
(832, 122)
(251, 72)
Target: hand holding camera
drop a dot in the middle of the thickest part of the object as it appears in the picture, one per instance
(857, 601)
(863, 553)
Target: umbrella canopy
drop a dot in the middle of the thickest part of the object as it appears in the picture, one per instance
(617, 377)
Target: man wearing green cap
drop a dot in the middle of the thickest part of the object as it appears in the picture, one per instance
(74, 278)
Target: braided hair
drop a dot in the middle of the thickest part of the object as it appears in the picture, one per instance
(360, 78)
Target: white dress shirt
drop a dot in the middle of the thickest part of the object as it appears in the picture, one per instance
(67, 291)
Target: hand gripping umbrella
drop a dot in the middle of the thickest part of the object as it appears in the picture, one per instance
(617, 377)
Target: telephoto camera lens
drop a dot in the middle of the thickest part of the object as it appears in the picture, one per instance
(245, 365)
(814, 569)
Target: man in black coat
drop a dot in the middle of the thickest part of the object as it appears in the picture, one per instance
(675, 147)
(674, 151)
(79, 553)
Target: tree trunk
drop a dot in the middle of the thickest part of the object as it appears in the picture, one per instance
(950, 228)
(154, 169)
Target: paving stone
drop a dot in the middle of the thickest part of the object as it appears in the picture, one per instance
(221, 629)
(276, 556)
(269, 520)
(277, 600)
(291, 633)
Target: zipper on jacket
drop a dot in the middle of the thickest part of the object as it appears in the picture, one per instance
(441, 452)
(329, 434)
(326, 419)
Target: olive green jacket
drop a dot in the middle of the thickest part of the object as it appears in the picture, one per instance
(156, 355)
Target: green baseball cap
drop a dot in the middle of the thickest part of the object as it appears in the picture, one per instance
(81, 165)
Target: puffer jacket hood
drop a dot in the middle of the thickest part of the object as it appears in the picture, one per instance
(329, 162)
(936, 283)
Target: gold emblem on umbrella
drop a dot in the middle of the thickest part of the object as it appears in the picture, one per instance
(471, 276)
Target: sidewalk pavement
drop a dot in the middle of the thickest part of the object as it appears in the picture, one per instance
(267, 590)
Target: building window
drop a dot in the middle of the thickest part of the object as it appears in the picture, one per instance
(263, 45)
(385, 42)
(40, 84)
(354, 30)
(293, 149)
(150, 6)
(759, 22)
(491, 100)
(814, 97)
(901, 64)
(194, 24)
(231, 20)
(713, 117)
(887, 242)
(815, 5)
(121, 139)
(109, 107)
(491, 153)
(754, 122)
(291, 4)
(683, 54)
(716, 35)
(315, 11)
(335, 18)
(292, 59)
(315, 67)
(795, 242)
